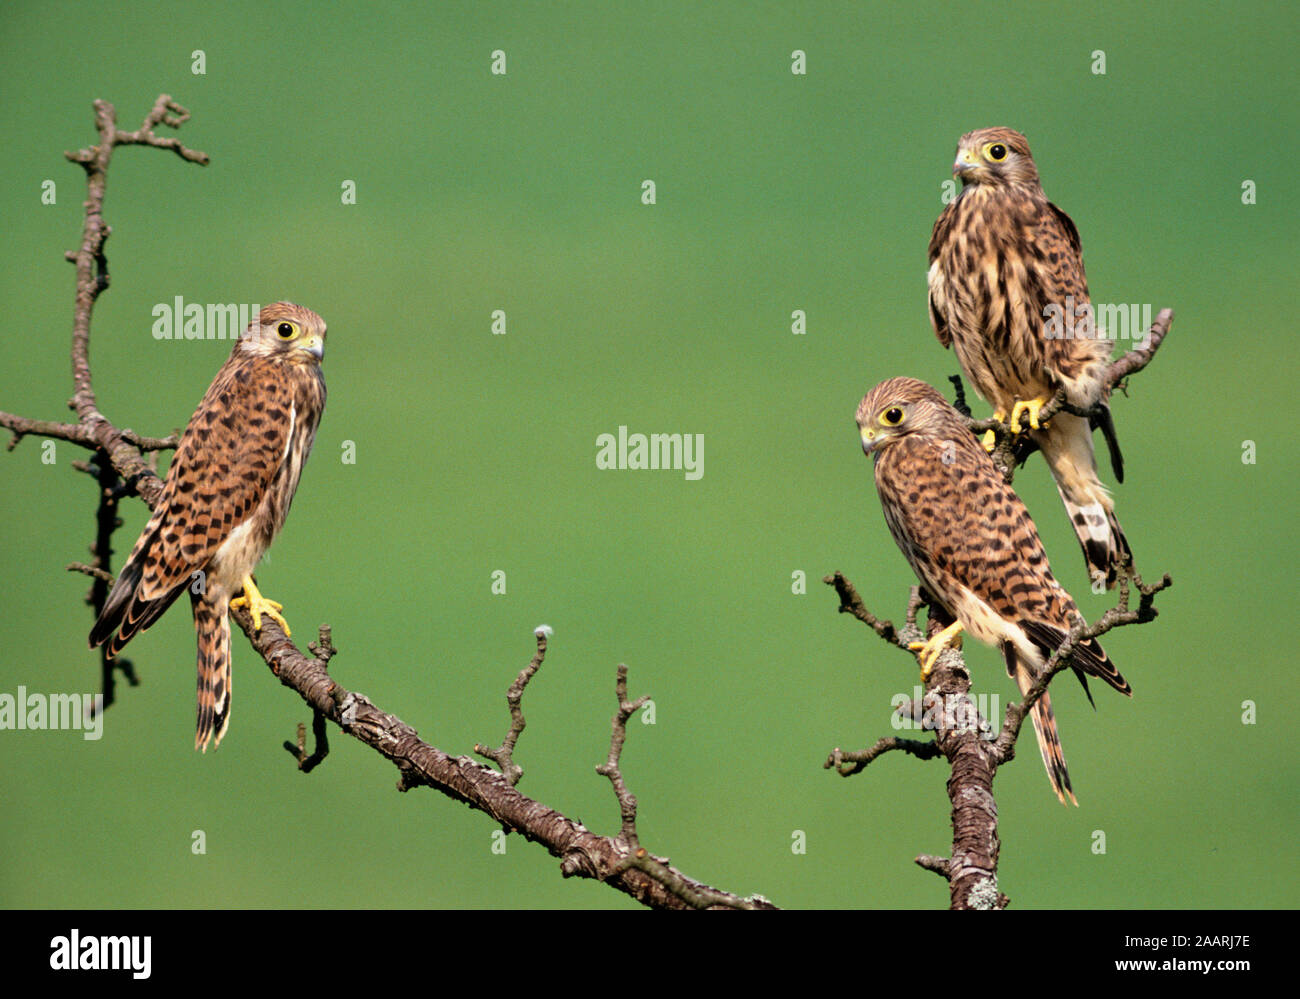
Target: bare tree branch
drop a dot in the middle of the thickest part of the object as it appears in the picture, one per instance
(615, 860)
(93, 279)
(77, 433)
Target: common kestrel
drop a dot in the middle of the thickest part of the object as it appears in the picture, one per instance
(1008, 292)
(973, 546)
(226, 495)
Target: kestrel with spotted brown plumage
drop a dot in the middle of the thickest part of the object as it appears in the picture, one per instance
(1007, 293)
(225, 498)
(972, 545)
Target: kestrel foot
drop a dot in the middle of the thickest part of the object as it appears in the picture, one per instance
(258, 605)
(991, 438)
(1030, 406)
(950, 637)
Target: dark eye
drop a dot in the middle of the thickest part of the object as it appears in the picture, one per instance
(285, 331)
(892, 416)
(997, 152)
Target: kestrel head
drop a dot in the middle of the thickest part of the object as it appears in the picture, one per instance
(994, 156)
(286, 332)
(903, 407)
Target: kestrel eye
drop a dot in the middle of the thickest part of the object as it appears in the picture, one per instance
(892, 416)
(997, 152)
(286, 331)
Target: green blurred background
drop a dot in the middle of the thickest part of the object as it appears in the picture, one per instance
(476, 453)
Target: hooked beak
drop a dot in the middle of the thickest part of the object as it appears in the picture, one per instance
(315, 346)
(965, 163)
(869, 440)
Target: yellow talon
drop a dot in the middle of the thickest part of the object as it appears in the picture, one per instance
(258, 605)
(929, 650)
(1030, 406)
(991, 438)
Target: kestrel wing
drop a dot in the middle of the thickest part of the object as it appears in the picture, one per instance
(1104, 423)
(1082, 357)
(938, 306)
(1060, 277)
(942, 229)
(1071, 232)
(1089, 656)
(1017, 582)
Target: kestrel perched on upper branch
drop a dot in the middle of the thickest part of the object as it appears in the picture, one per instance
(226, 495)
(1007, 289)
(972, 545)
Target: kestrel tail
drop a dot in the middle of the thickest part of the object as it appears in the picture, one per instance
(974, 548)
(1008, 293)
(225, 498)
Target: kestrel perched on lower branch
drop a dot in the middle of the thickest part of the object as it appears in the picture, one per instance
(226, 496)
(973, 546)
(1007, 291)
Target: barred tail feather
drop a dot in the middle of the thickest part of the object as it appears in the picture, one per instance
(212, 626)
(1049, 747)
(1067, 446)
(1049, 741)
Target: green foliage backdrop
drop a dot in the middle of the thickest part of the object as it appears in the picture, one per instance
(476, 452)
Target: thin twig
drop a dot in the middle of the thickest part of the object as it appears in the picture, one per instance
(851, 603)
(861, 758)
(502, 756)
(320, 737)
